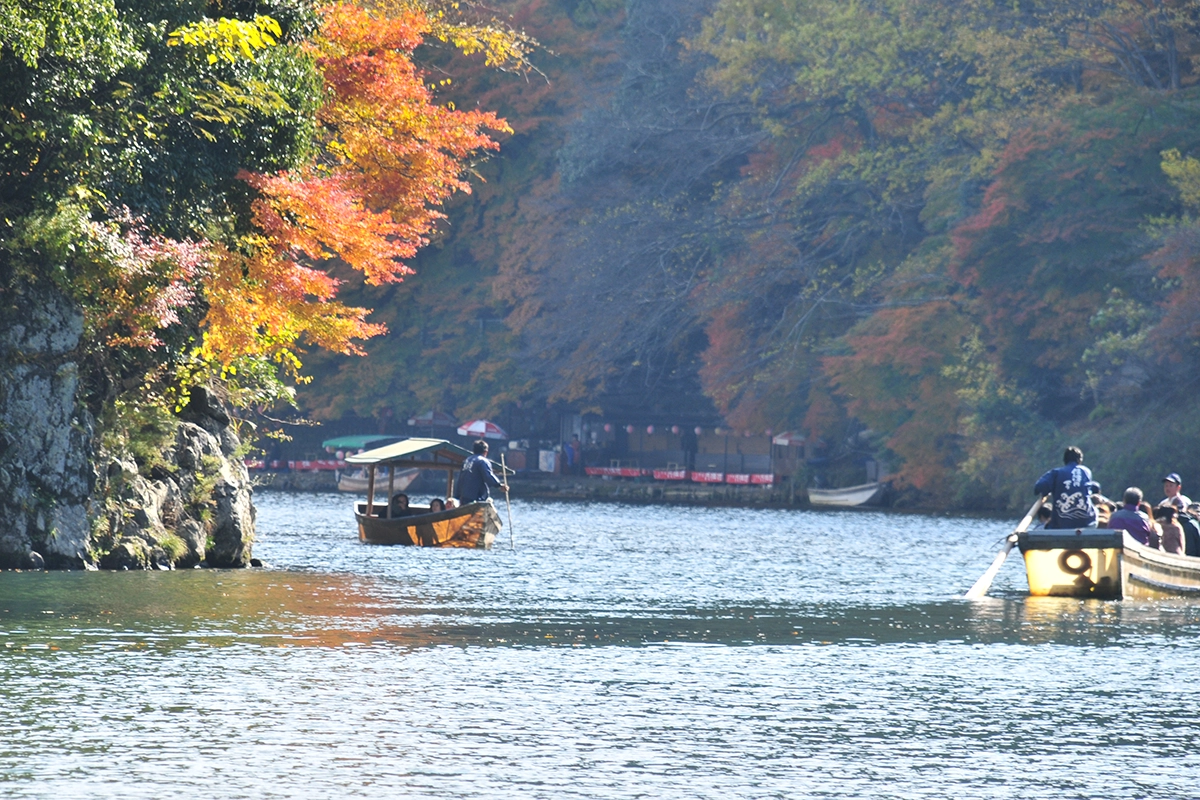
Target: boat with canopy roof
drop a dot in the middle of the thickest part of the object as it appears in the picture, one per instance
(472, 525)
(356, 481)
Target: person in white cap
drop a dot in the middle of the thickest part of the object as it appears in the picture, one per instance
(1174, 497)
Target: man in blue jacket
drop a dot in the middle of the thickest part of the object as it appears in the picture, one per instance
(1070, 488)
(476, 477)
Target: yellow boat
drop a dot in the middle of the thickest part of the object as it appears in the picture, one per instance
(1104, 564)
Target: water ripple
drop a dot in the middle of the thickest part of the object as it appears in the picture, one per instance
(616, 652)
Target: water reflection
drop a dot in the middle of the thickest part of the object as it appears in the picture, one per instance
(616, 652)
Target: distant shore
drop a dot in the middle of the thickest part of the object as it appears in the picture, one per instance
(544, 486)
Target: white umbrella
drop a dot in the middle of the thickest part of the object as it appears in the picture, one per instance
(482, 427)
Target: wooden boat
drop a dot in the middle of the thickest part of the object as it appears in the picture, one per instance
(471, 525)
(1104, 564)
(1146, 572)
(847, 497)
(357, 481)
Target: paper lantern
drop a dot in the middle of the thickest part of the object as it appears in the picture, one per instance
(649, 429)
(629, 429)
(608, 427)
(768, 431)
(699, 430)
(675, 429)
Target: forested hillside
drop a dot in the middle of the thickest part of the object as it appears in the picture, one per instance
(184, 188)
(961, 228)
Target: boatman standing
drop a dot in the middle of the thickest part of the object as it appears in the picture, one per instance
(476, 477)
(1070, 488)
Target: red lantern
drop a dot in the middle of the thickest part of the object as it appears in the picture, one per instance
(629, 429)
(675, 429)
(768, 431)
(650, 429)
(608, 427)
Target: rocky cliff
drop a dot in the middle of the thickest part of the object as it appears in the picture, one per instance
(60, 509)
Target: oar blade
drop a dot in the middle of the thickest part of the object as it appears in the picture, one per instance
(980, 589)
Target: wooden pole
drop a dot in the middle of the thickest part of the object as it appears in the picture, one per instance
(391, 488)
(371, 491)
(980, 589)
(504, 471)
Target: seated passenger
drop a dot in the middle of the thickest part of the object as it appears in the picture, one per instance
(1104, 509)
(1044, 513)
(1130, 520)
(451, 503)
(1172, 531)
(400, 505)
(436, 505)
(1172, 484)
(1155, 538)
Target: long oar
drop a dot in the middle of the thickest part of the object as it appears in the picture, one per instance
(984, 583)
(504, 470)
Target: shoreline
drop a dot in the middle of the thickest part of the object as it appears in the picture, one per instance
(584, 489)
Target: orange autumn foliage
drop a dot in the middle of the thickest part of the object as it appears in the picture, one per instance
(388, 157)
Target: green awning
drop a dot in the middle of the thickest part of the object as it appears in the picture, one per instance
(360, 442)
(414, 452)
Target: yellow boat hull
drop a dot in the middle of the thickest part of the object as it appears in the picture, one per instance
(1104, 564)
(1073, 563)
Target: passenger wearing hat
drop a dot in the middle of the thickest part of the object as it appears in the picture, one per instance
(1174, 497)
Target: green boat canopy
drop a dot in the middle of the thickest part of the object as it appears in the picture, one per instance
(415, 452)
(363, 441)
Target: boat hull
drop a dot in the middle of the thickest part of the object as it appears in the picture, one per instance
(1085, 563)
(1104, 564)
(474, 525)
(1153, 573)
(847, 498)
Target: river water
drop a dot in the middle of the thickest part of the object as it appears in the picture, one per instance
(617, 651)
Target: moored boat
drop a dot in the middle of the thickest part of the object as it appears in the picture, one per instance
(357, 482)
(1104, 564)
(847, 497)
(471, 525)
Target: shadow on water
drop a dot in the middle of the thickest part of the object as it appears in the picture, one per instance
(283, 608)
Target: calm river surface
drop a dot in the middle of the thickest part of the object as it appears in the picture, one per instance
(616, 652)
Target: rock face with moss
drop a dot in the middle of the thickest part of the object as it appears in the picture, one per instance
(45, 433)
(188, 504)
